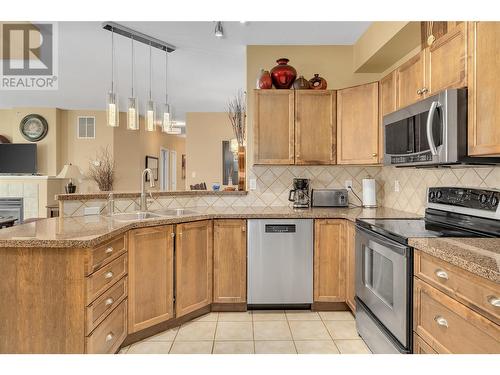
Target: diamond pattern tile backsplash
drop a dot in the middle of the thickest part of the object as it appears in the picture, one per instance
(274, 183)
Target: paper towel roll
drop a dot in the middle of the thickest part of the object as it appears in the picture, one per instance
(369, 193)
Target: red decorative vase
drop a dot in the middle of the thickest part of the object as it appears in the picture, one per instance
(264, 81)
(283, 75)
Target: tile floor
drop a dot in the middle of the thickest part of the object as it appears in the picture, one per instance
(259, 332)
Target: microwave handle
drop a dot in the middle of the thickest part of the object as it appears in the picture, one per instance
(430, 138)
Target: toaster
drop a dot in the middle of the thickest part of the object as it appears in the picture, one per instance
(329, 198)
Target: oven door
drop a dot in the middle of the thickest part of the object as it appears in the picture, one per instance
(383, 281)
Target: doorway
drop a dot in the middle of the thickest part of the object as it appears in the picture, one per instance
(164, 169)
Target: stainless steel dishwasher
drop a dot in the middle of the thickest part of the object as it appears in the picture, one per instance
(280, 262)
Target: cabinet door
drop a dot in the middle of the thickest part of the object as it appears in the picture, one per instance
(358, 125)
(315, 117)
(484, 89)
(193, 266)
(151, 276)
(350, 265)
(274, 127)
(447, 61)
(329, 260)
(230, 261)
(410, 80)
(388, 94)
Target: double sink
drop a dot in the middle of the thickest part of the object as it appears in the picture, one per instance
(156, 214)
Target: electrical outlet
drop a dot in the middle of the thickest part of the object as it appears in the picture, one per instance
(91, 210)
(193, 174)
(348, 184)
(253, 184)
(396, 186)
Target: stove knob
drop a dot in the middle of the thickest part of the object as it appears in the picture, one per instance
(483, 198)
(494, 201)
(432, 195)
(439, 194)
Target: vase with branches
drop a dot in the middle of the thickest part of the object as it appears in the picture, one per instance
(102, 169)
(236, 110)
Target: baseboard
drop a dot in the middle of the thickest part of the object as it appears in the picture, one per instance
(330, 306)
(225, 307)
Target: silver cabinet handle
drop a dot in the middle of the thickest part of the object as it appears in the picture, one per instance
(442, 274)
(430, 138)
(441, 321)
(109, 250)
(419, 92)
(108, 275)
(110, 336)
(424, 90)
(109, 301)
(494, 300)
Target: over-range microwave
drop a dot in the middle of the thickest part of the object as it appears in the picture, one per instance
(431, 132)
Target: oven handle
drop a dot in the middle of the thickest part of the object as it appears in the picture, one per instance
(430, 138)
(386, 242)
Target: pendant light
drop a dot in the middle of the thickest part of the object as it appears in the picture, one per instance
(166, 124)
(133, 109)
(112, 113)
(219, 30)
(150, 105)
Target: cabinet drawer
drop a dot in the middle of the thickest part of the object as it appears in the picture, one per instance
(101, 307)
(450, 327)
(420, 346)
(103, 254)
(476, 292)
(102, 279)
(109, 335)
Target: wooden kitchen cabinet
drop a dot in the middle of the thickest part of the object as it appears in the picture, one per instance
(193, 265)
(274, 127)
(388, 94)
(358, 125)
(315, 127)
(329, 260)
(484, 89)
(350, 245)
(410, 80)
(230, 261)
(151, 277)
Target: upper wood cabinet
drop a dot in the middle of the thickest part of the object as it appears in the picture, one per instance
(315, 127)
(193, 265)
(151, 277)
(358, 125)
(388, 94)
(350, 244)
(484, 89)
(410, 80)
(230, 261)
(274, 119)
(329, 260)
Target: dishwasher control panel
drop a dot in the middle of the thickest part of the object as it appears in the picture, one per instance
(280, 228)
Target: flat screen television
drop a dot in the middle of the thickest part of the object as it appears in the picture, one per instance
(18, 158)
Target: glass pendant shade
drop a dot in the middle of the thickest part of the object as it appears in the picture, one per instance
(112, 113)
(150, 116)
(132, 114)
(165, 121)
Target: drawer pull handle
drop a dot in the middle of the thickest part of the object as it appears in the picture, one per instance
(109, 250)
(441, 321)
(109, 336)
(108, 275)
(109, 301)
(442, 274)
(494, 300)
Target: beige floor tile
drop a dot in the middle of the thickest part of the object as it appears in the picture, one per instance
(168, 335)
(275, 347)
(302, 315)
(336, 315)
(265, 315)
(210, 317)
(192, 347)
(245, 316)
(124, 350)
(196, 331)
(316, 347)
(274, 330)
(308, 330)
(342, 329)
(150, 347)
(234, 331)
(234, 347)
(352, 347)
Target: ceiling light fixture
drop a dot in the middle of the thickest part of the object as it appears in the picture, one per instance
(166, 107)
(150, 105)
(133, 110)
(112, 113)
(219, 30)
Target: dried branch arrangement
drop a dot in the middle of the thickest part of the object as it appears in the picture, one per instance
(102, 170)
(236, 110)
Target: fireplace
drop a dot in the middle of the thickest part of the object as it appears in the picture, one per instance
(12, 207)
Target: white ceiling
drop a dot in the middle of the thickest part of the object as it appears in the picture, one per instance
(204, 71)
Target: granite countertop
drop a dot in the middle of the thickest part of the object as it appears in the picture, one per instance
(133, 194)
(480, 256)
(89, 231)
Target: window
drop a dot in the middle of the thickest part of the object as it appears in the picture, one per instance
(85, 127)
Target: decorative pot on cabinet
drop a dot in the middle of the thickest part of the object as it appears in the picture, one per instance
(301, 84)
(318, 83)
(264, 81)
(283, 75)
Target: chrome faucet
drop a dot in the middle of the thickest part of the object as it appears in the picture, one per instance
(144, 199)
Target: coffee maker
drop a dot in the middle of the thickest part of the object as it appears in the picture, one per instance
(300, 193)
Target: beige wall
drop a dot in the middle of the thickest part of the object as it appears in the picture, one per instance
(205, 132)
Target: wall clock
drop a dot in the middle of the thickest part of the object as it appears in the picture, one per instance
(33, 127)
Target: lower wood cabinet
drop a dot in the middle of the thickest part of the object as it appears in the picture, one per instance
(193, 265)
(230, 261)
(350, 245)
(151, 277)
(329, 260)
(420, 346)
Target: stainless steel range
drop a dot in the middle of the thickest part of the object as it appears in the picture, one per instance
(384, 261)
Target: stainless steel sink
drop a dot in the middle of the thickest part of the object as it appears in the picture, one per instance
(175, 212)
(133, 216)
